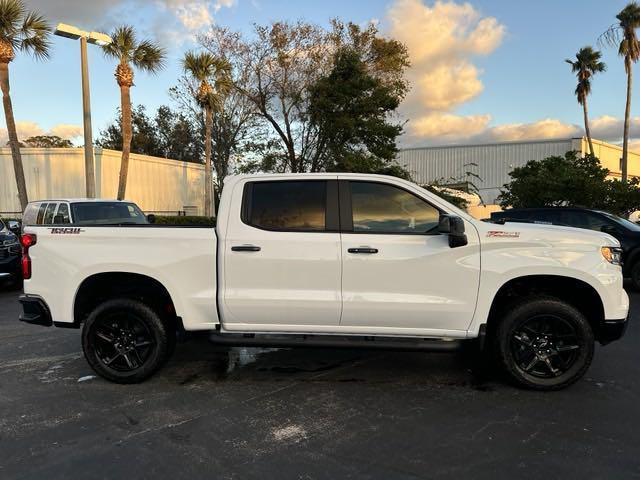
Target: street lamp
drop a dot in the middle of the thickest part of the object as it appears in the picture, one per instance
(97, 38)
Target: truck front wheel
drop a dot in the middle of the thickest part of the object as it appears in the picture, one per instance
(125, 341)
(544, 344)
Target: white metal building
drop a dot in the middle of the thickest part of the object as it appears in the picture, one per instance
(156, 184)
(495, 161)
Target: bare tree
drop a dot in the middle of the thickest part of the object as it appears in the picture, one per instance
(277, 68)
(284, 60)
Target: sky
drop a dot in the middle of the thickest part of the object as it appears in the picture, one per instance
(482, 71)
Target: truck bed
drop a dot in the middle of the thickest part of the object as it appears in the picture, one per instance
(182, 258)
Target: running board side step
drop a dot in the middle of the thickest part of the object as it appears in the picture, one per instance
(335, 341)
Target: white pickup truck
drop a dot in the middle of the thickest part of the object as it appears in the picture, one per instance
(331, 260)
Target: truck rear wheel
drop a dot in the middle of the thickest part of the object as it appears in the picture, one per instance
(544, 344)
(125, 341)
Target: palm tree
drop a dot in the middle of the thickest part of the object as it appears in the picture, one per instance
(212, 75)
(623, 36)
(586, 64)
(24, 31)
(145, 55)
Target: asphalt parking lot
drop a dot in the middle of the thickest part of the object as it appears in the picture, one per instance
(307, 413)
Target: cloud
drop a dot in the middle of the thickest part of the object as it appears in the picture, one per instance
(28, 129)
(83, 12)
(447, 126)
(67, 130)
(443, 40)
(446, 86)
(547, 128)
(612, 128)
(440, 128)
(184, 19)
(178, 20)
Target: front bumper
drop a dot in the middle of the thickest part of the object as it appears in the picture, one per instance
(35, 311)
(611, 330)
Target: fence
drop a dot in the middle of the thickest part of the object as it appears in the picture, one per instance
(155, 184)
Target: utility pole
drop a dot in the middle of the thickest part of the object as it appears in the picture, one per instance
(89, 164)
(74, 33)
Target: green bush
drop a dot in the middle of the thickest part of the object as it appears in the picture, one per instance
(569, 181)
(186, 220)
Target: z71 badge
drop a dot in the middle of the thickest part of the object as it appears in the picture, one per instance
(503, 234)
(66, 230)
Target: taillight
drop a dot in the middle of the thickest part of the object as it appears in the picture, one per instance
(27, 240)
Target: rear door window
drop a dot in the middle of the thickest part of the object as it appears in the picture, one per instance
(48, 214)
(296, 206)
(62, 215)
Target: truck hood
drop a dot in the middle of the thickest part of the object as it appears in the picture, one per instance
(539, 233)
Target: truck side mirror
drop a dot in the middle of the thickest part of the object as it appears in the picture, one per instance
(453, 226)
(151, 218)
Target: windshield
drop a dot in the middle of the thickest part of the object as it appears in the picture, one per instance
(107, 213)
(634, 227)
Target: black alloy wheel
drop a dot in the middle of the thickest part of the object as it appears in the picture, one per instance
(126, 341)
(543, 343)
(545, 346)
(122, 341)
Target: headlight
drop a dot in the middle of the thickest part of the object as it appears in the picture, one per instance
(612, 255)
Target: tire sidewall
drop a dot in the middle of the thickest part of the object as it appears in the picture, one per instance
(524, 312)
(152, 321)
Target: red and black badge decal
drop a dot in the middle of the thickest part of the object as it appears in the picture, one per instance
(502, 234)
(66, 230)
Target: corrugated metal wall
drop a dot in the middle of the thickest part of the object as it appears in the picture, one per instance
(494, 162)
(155, 184)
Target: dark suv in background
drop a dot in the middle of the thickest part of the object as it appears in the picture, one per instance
(10, 253)
(628, 233)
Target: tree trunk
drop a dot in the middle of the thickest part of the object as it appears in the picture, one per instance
(627, 114)
(587, 131)
(13, 136)
(125, 106)
(208, 181)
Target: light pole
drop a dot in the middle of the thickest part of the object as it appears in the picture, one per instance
(69, 31)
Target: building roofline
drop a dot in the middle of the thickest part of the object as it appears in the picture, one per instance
(493, 144)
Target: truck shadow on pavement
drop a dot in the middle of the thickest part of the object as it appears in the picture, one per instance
(196, 361)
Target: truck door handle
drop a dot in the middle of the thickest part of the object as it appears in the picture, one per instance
(245, 248)
(363, 250)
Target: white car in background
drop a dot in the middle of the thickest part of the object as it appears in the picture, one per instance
(83, 211)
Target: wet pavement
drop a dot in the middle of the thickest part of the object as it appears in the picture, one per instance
(244, 413)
